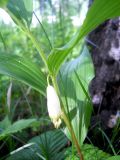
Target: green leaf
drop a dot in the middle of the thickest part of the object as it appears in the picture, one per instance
(4, 123)
(74, 97)
(98, 13)
(23, 70)
(47, 146)
(17, 126)
(58, 56)
(3, 3)
(89, 151)
(21, 10)
(114, 158)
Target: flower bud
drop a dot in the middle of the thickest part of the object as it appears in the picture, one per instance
(53, 104)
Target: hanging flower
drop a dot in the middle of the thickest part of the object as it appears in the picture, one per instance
(53, 105)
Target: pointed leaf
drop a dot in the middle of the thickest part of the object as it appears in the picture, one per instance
(47, 146)
(4, 123)
(98, 13)
(23, 70)
(17, 126)
(22, 10)
(74, 97)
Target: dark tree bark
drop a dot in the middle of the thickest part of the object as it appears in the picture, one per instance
(104, 89)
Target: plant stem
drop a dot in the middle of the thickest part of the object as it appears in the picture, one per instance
(67, 121)
(42, 54)
(68, 124)
(30, 35)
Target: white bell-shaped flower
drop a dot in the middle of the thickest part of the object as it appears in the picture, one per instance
(53, 104)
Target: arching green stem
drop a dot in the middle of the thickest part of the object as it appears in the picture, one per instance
(67, 121)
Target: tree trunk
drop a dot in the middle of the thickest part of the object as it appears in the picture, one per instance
(104, 89)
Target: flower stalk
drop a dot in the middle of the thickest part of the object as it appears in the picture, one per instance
(66, 120)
